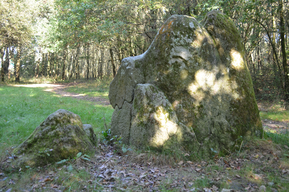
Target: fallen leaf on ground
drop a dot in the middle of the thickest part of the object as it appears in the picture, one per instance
(198, 169)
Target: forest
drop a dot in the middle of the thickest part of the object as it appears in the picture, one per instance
(72, 49)
(88, 39)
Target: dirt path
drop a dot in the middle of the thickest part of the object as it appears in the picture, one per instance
(60, 90)
(268, 124)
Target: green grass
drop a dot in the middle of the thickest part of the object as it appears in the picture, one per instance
(282, 139)
(275, 115)
(23, 109)
(202, 182)
(94, 88)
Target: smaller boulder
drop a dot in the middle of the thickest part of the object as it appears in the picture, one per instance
(60, 136)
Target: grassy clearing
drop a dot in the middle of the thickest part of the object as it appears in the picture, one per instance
(22, 109)
(278, 115)
(91, 88)
(276, 112)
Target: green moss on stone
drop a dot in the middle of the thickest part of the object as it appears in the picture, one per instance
(60, 136)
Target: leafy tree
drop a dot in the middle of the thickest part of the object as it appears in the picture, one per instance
(89, 38)
(17, 19)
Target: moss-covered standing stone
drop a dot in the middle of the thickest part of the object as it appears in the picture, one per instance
(60, 136)
(201, 71)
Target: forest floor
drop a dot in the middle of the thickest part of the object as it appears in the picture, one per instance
(259, 165)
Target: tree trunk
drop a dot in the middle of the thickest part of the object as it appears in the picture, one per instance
(43, 67)
(112, 62)
(2, 64)
(9, 61)
(119, 50)
(64, 63)
(2, 71)
(119, 56)
(278, 76)
(6, 63)
(17, 76)
(52, 63)
(77, 76)
(275, 56)
(100, 64)
(259, 56)
(71, 68)
(107, 71)
(87, 60)
(37, 68)
(94, 61)
(56, 57)
(283, 50)
(15, 58)
(48, 64)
